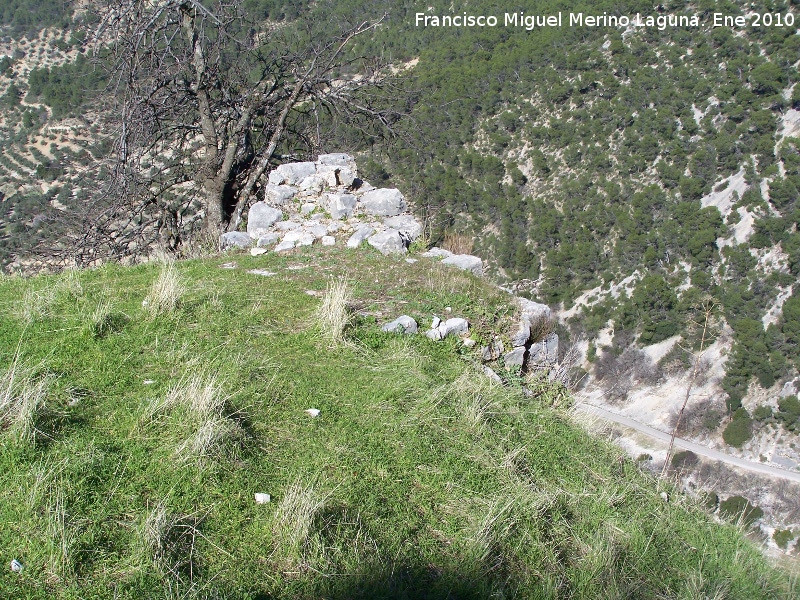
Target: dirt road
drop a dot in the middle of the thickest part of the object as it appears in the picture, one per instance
(698, 449)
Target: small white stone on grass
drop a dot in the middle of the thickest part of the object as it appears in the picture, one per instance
(262, 498)
(16, 566)
(433, 334)
(148, 382)
(435, 323)
(469, 342)
(314, 412)
(257, 251)
(261, 272)
(456, 326)
(228, 265)
(411, 261)
(312, 292)
(328, 240)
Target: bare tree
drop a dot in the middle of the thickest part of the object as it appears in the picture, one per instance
(708, 307)
(201, 100)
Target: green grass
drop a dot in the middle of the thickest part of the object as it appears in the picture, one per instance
(419, 478)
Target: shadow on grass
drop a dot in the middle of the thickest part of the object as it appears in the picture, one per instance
(415, 582)
(404, 581)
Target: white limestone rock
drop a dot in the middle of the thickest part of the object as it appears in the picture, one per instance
(299, 237)
(405, 224)
(454, 326)
(360, 235)
(437, 253)
(292, 173)
(466, 262)
(338, 177)
(328, 240)
(318, 231)
(545, 352)
(341, 206)
(337, 159)
(265, 241)
(235, 239)
(386, 202)
(261, 217)
(313, 184)
(533, 311)
(402, 324)
(283, 246)
(515, 358)
(433, 334)
(388, 242)
(493, 351)
(278, 195)
(522, 334)
(287, 225)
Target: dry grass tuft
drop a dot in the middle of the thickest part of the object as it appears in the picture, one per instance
(475, 397)
(168, 542)
(200, 395)
(334, 315)
(294, 518)
(213, 438)
(61, 536)
(103, 320)
(154, 534)
(165, 294)
(457, 243)
(484, 546)
(37, 305)
(22, 401)
(200, 403)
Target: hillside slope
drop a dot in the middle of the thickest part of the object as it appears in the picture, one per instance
(150, 404)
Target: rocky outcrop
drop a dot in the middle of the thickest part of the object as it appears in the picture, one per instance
(467, 262)
(383, 202)
(235, 239)
(388, 242)
(261, 218)
(325, 202)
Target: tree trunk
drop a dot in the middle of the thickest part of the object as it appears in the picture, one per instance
(213, 193)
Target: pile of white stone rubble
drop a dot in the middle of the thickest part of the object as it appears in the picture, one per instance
(325, 202)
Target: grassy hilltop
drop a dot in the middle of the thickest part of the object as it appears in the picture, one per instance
(134, 437)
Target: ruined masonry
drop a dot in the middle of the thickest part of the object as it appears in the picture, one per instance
(325, 202)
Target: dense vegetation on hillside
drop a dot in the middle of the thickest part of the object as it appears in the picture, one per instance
(577, 157)
(143, 408)
(20, 17)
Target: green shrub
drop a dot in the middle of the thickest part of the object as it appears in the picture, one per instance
(739, 430)
(684, 459)
(712, 419)
(789, 412)
(762, 413)
(782, 537)
(738, 507)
